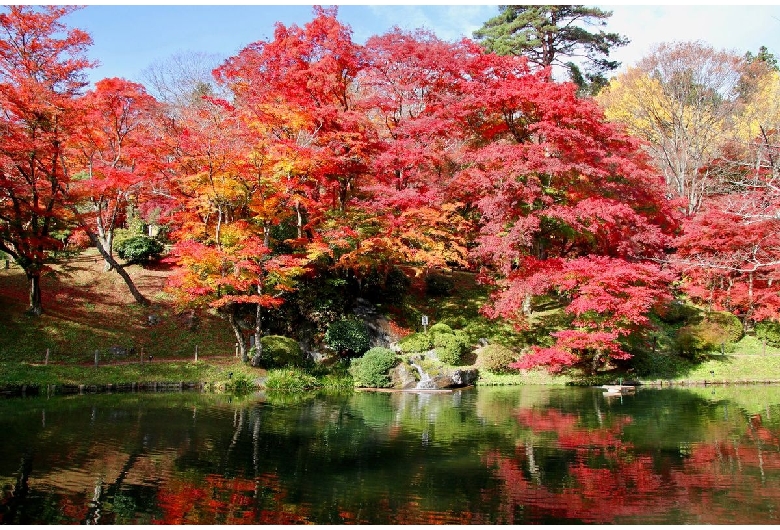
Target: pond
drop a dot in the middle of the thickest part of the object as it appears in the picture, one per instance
(519, 455)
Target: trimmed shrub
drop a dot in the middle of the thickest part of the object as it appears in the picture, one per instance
(768, 331)
(462, 337)
(416, 343)
(449, 349)
(291, 380)
(348, 337)
(496, 358)
(440, 328)
(456, 322)
(715, 329)
(279, 351)
(438, 285)
(139, 249)
(371, 370)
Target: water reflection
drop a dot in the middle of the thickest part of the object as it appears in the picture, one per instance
(486, 456)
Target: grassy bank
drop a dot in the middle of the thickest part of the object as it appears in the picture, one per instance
(88, 310)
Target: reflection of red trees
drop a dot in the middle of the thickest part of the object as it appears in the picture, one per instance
(569, 434)
(222, 500)
(610, 481)
(626, 491)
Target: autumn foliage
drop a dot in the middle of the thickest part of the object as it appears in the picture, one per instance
(317, 156)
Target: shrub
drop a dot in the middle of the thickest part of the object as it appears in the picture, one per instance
(139, 249)
(279, 352)
(715, 329)
(496, 358)
(449, 349)
(371, 369)
(676, 312)
(348, 336)
(291, 380)
(438, 285)
(440, 328)
(416, 343)
(768, 331)
(240, 384)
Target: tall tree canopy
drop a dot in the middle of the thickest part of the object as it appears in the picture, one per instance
(334, 158)
(554, 35)
(680, 99)
(42, 67)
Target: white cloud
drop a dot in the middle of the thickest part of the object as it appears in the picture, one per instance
(734, 28)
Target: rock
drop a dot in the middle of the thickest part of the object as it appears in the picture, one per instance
(455, 378)
(483, 342)
(379, 330)
(120, 352)
(153, 320)
(437, 376)
(403, 376)
(190, 321)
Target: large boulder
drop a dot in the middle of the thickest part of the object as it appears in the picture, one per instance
(380, 332)
(403, 376)
(455, 378)
(434, 376)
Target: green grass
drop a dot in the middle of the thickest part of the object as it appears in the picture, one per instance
(13, 373)
(87, 310)
(531, 377)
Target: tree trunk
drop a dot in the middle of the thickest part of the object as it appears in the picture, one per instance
(36, 308)
(258, 332)
(231, 318)
(596, 362)
(106, 243)
(104, 239)
(141, 299)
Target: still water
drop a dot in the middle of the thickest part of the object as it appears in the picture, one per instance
(476, 456)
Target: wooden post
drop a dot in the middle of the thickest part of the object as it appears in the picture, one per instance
(97, 355)
(196, 353)
(46, 360)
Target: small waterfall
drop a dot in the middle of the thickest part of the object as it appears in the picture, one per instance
(425, 381)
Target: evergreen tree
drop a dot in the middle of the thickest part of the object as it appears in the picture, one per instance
(553, 35)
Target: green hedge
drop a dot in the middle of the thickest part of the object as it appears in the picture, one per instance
(769, 332)
(291, 380)
(496, 358)
(439, 328)
(448, 349)
(279, 351)
(416, 343)
(715, 330)
(371, 370)
(139, 249)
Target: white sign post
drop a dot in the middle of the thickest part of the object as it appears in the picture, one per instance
(425, 323)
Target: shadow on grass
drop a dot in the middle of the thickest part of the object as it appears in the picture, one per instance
(87, 310)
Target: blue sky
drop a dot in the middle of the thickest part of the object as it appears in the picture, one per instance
(129, 38)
